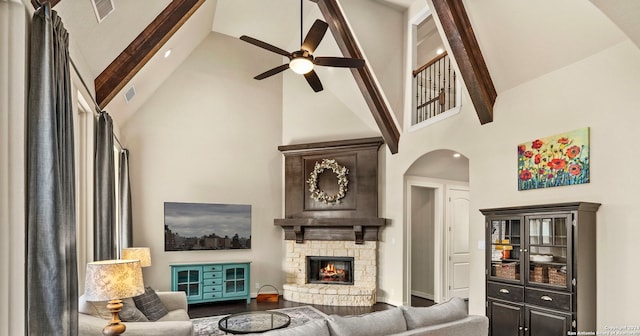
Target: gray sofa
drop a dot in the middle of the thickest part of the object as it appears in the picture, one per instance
(445, 319)
(93, 317)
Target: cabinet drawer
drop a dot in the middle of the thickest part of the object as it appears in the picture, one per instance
(211, 295)
(212, 282)
(212, 275)
(505, 292)
(548, 299)
(209, 289)
(212, 268)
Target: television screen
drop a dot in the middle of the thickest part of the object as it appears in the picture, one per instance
(201, 226)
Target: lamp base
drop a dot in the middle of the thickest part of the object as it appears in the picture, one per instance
(115, 327)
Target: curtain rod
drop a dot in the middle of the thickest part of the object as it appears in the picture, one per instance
(95, 103)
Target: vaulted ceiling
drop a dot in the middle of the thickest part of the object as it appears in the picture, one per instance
(519, 40)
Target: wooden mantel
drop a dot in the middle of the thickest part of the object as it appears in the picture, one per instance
(355, 218)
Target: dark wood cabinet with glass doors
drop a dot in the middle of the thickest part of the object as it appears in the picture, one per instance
(541, 269)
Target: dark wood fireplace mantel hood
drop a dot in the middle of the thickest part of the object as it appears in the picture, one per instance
(355, 217)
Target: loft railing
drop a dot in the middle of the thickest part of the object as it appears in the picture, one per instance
(435, 84)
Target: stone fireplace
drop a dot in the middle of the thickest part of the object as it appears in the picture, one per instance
(361, 293)
(331, 200)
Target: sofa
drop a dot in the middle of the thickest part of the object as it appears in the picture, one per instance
(93, 317)
(449, 318)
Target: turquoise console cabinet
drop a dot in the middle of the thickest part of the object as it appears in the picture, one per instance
(210, 282)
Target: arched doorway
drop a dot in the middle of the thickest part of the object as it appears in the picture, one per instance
(437, 226)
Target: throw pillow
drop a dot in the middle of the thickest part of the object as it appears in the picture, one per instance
(150, 305)
(444, 312)
(130, 313)
(380, 323)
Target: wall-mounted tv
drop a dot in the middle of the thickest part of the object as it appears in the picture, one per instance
(203, 226)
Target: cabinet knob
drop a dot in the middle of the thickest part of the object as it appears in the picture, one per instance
(520, 328)
(546, 298)
(504, 291)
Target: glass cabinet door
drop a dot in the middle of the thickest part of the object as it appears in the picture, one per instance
(505, 248)
(548, 240)
(188, 281)
(234, 280)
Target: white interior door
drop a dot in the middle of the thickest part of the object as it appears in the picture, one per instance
(458, 243)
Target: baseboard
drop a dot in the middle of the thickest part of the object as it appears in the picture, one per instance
(422, 295)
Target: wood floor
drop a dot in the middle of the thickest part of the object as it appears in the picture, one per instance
(232, 307)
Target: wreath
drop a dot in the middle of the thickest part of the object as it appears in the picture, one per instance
(341, 173)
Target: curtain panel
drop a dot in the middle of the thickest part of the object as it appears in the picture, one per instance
(104, 206)
(51, 265)
(126, 222)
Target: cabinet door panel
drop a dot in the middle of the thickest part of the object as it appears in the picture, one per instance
(505, 319)
(541, 322)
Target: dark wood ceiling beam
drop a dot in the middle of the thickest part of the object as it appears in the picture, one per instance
(139, 52)
(468, 56)
(363, 76)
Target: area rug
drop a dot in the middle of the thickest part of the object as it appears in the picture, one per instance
(208, 326)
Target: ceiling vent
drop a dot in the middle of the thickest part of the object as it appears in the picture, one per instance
(128, 96)
(102, 8)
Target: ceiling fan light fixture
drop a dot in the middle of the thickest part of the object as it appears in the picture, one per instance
(301, 65)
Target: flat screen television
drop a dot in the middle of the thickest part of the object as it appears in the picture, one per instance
(203, 226)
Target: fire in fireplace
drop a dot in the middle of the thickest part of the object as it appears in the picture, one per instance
(330, 270)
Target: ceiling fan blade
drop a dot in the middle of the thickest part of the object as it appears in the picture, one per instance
(265, 45)
(341, 62)
(272, 72)
(313, 80)
(314, 36)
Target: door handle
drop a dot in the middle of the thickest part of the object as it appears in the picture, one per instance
(504, 291)
(546, 298)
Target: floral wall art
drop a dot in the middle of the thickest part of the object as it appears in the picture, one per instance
(554, 161)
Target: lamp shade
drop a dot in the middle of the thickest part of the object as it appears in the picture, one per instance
(137, 253)
(113, 279)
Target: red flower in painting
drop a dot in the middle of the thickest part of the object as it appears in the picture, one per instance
(521, 149)
(541, 171)
(537, 158)
(563, 140)
(528, 154)
(575, 169)
(525, 175)
(550, 176)
(573, 151)
(557, 164)
(536, 144)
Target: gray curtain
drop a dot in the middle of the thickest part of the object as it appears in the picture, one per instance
(126, 223)
(104, 191)
(51, 261)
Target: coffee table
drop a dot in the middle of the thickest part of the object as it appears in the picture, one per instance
(253, 322)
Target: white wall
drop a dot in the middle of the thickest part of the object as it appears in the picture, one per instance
(209, 135)
(13, 89)
(600, 92)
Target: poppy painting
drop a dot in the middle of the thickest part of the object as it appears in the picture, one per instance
(554, 161)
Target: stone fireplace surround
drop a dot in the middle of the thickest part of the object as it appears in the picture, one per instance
(361, 293)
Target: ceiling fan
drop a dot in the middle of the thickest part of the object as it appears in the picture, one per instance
(302, 61)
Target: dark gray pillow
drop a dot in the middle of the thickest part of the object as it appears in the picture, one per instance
(380, 323)
(444, 312)
(150, 305)
(130, 313)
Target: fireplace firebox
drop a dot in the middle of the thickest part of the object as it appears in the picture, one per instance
(330, 270)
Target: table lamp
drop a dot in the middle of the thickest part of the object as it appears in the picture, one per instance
(113, 280)
(137, 253)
